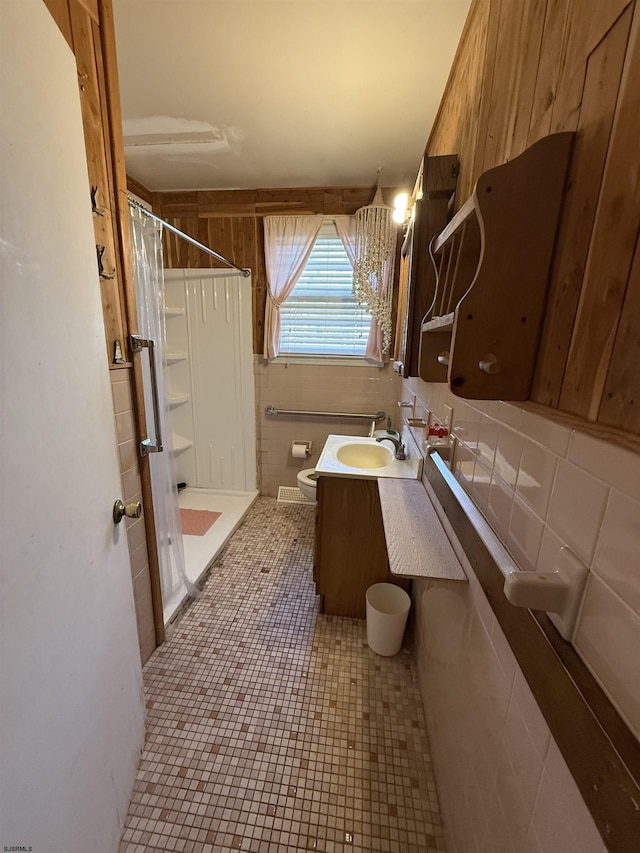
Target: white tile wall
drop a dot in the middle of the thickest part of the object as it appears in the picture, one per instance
(502, 782)
(315, 387)
(542, 486)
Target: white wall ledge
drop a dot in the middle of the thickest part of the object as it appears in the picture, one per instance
(417, 544)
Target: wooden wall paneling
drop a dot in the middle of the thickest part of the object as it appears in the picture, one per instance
(577, 27)
(196, 258)
(602, 81)
(115, 164)
(354, 198)
(127, 290)
(173, 205)
(471, 106)
(507, 70)
(106, 119)
(456, 127)
(621, 400)
(487, 80)
(611, 250)
(402, 315)
(565, 111)
(92, 117)
(59, 10)
(280, 202)
(566, 105)
(259, 287)
(332, 203)
(214, 236)
(110, 288)
(233, 202)
(227, 240)
(603, 17)
(138, 189)
(204, 261)
(112, 86)
(239, 247)
(91, 7)
(550, 59)
(529, 52)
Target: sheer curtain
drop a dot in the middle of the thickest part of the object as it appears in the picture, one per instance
(288, 241)
(147, 249)
(346, 227)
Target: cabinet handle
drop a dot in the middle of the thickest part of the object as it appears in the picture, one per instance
(489, 364)
(443, 358)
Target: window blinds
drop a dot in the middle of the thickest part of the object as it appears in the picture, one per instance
(322, 317)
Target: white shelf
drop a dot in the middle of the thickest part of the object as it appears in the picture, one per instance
(180, 443)
(178, 400)
(175, 357)
(440, 324)
(417, 545)
(173, 312)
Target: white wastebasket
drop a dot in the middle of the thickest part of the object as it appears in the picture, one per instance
(387, 610)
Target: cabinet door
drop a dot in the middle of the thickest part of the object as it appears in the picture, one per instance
(352, 552)
(429, 218)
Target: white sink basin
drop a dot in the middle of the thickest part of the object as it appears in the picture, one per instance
(368, 459)
(360, 455)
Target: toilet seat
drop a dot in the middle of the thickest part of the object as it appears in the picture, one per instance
(307, 482)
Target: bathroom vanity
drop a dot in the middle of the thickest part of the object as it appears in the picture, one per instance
(350, 552)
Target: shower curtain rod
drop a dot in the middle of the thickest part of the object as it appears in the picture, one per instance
(133, 203)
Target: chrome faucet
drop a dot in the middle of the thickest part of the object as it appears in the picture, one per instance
(399, 446)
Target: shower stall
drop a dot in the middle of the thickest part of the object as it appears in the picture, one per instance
(199, 385)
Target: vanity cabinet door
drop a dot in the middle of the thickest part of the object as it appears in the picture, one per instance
(351, 552)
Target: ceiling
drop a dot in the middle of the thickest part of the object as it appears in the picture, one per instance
(221, 94)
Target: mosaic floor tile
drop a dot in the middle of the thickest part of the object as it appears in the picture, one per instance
(272, 728)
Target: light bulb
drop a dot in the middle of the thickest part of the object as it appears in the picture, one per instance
(401, 201)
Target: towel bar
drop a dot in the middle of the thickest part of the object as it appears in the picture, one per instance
(559, 592)
(378, 416)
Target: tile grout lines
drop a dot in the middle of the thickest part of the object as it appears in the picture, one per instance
(272, 728)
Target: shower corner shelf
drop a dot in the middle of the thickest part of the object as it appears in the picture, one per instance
(180, 443)
(178, 400)
(492, 264)
(173, 312)
(175, 357)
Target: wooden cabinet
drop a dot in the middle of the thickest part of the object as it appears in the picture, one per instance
(350, 550)
(492, 265)
(432, 197)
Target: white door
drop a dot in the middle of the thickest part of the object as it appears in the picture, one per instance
(71, 709)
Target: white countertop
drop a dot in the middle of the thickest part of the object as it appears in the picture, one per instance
(407, 469)
(417, 544)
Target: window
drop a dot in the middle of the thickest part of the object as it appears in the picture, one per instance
(322, 317)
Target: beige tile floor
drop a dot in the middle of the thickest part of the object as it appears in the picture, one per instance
(273, 728)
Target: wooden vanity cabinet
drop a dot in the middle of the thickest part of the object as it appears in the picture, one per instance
(350, 551)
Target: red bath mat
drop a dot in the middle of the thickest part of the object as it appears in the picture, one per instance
(196, 522)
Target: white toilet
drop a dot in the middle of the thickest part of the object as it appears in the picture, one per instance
(307, 482)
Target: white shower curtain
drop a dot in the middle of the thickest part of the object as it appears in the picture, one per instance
(147, 247)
